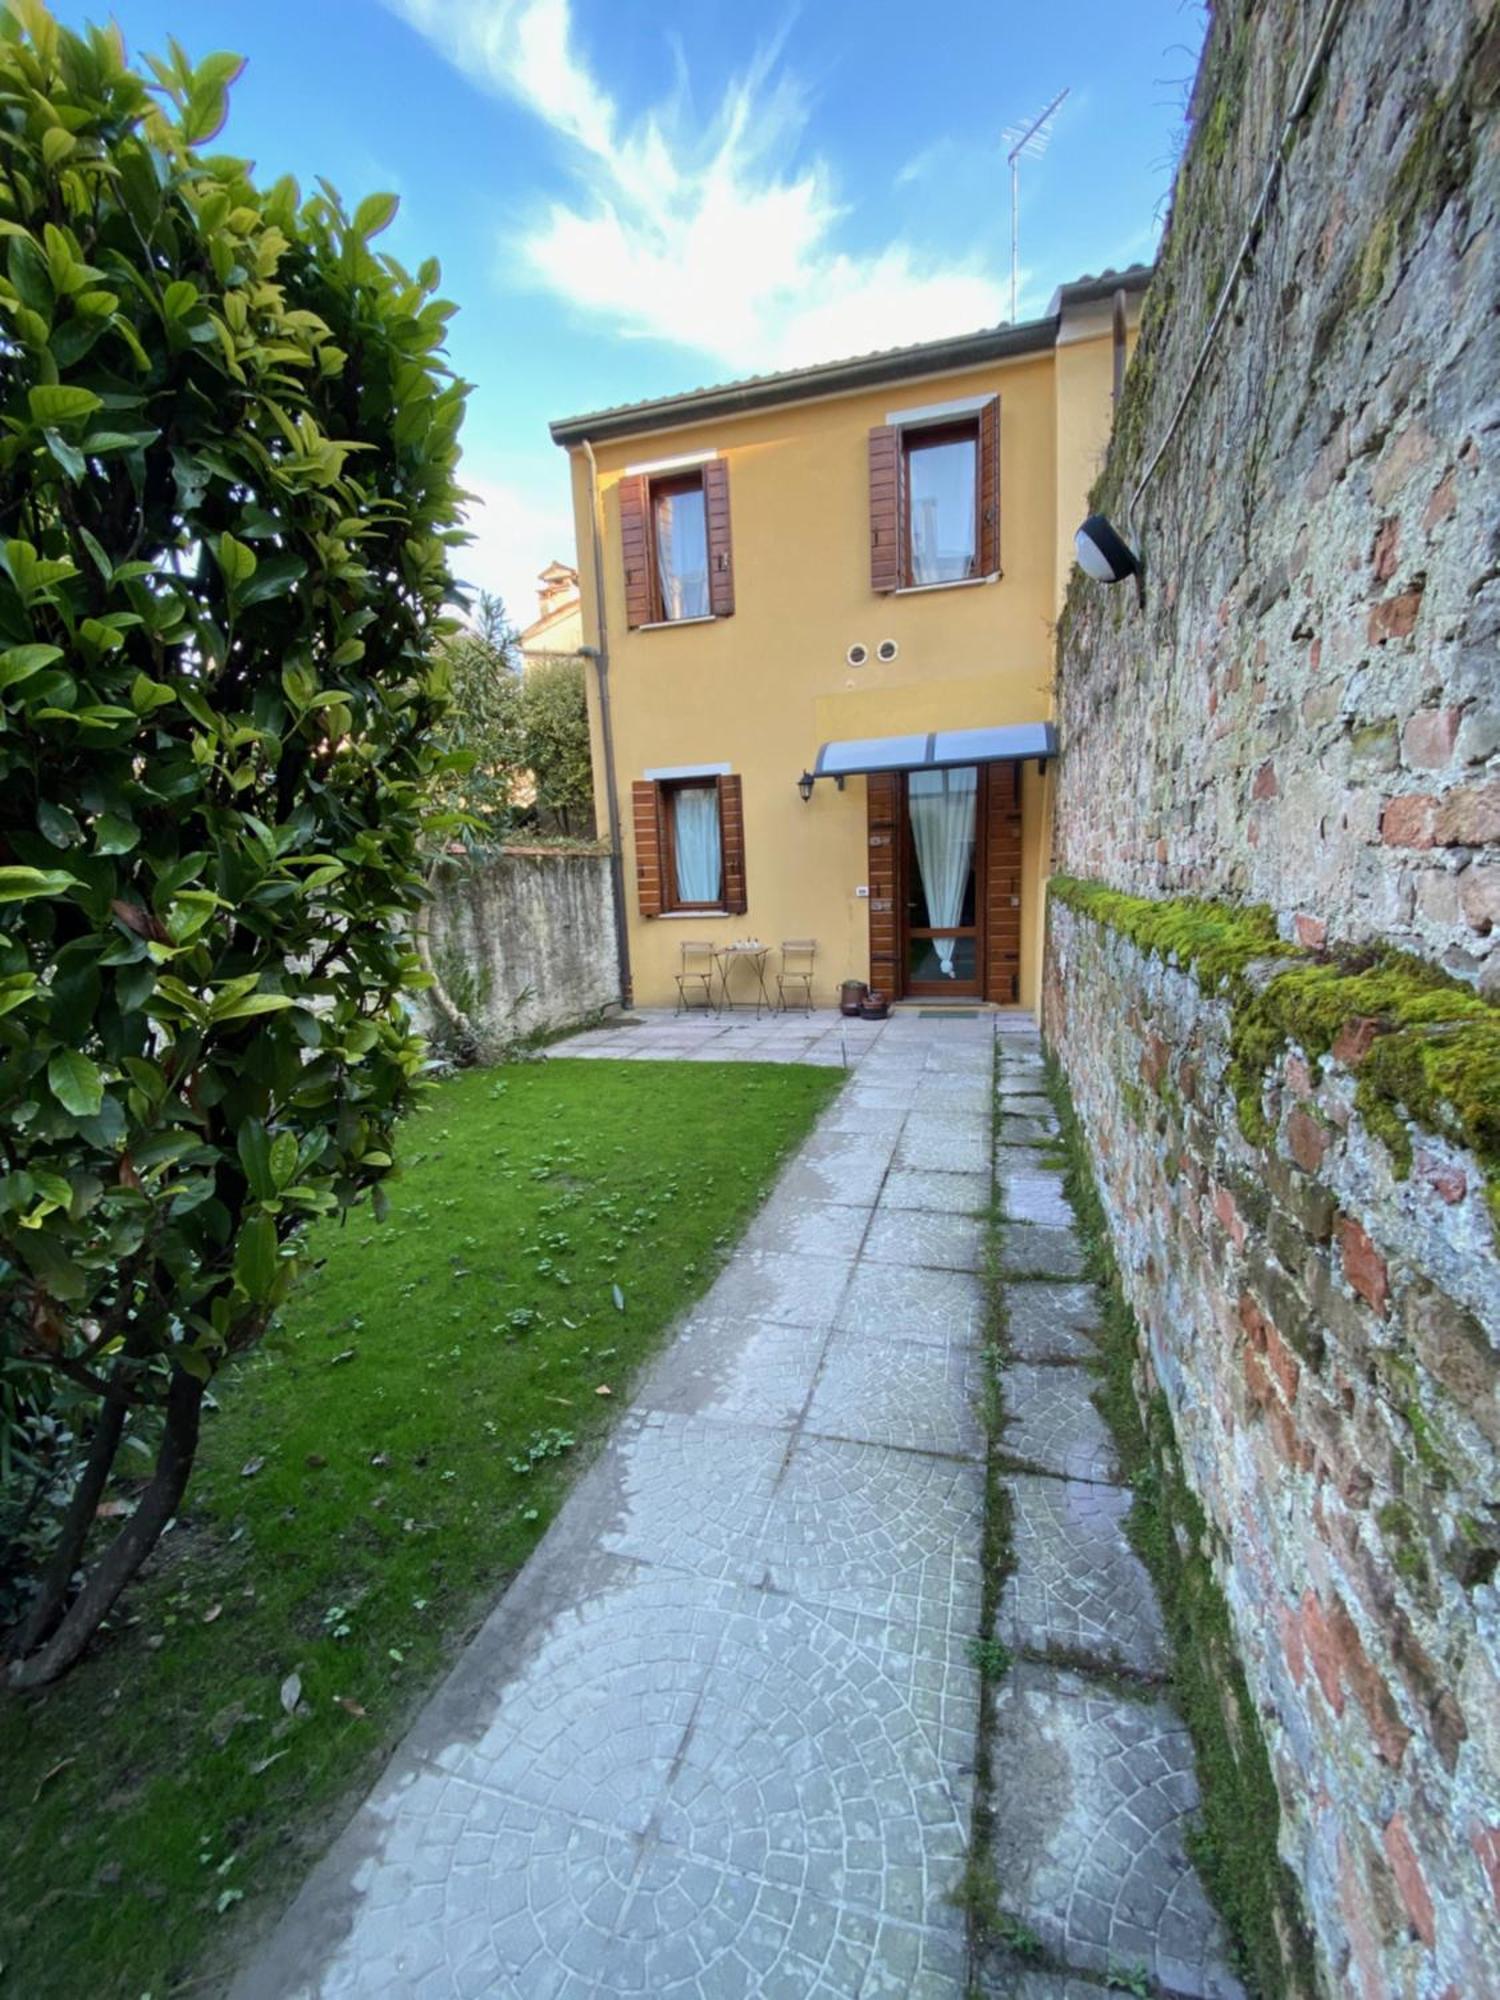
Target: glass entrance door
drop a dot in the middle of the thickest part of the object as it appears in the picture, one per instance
(943, 904)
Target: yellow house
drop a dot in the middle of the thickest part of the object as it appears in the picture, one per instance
(821, 609)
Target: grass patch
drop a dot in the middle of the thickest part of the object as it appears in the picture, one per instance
(416, 1431)
(1234, 1845)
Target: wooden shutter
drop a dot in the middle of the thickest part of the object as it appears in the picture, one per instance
(886, 509)
(720, 555)
(1002, 885)
(989, 488)
(646, 810)
(635, 547)
(732, 835)
(883, 814)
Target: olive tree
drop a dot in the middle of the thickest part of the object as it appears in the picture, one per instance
(228, 449)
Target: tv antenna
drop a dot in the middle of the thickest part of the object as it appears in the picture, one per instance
(1028, 142)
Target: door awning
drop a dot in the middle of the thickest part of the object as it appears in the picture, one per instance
(938, 749)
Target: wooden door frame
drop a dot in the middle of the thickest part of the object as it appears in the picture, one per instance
(942, 989)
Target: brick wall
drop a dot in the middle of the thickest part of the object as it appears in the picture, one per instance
(1318, 1329)
(1307, 715)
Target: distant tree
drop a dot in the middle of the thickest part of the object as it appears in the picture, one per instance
(227, 499)
(485, 725)
(556, 731)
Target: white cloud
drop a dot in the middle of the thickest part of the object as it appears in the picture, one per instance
(517, 532)
(718, 233)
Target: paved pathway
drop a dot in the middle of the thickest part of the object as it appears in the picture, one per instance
(718, 1738)
(1092, 1786)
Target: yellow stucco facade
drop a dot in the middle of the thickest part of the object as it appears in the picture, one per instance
(757, 692)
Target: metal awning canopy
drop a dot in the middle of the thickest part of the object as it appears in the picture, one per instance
(937, 750)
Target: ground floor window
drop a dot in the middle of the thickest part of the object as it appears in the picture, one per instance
(694, 875)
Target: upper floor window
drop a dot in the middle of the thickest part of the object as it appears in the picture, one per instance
(674, 540)
(679, 528)
(942, 502)
(935, 497)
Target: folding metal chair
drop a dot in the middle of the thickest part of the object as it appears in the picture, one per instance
(797, 956)
(696, 976)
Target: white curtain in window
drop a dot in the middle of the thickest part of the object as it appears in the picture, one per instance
(682, 554)
(942, 805)
(695, 843)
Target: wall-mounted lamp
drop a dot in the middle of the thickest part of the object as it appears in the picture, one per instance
(1103, 555)
(805, 786)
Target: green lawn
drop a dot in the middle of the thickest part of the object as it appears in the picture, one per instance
(367, 1485)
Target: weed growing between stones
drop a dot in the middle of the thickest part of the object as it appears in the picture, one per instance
(1234, 1847)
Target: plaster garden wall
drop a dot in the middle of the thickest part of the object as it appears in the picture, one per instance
(523, 940)
(1283, 772)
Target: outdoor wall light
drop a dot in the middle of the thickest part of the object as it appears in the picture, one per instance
(1103, 555)
(805, 786)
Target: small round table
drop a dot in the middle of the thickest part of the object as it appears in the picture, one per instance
(728, 956)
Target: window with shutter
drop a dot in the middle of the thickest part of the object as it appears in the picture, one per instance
(886, 534)
(635, 548)
(989, 488)
(675, 544)
(689, 845)
(935, 500)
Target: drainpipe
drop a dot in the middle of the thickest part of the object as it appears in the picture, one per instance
(600, 656)
(1117, 318)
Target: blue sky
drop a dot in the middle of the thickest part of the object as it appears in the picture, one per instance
(631, 197)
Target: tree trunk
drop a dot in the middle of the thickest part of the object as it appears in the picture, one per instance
(131, 1546)
(68, 1554)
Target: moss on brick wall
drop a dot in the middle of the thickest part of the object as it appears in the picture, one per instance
(1425, 1047)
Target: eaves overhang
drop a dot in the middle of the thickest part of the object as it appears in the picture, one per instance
(832, 378)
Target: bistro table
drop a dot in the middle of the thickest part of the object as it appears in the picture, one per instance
(748, 952)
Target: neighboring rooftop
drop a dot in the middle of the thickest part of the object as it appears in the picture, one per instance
(826, 378)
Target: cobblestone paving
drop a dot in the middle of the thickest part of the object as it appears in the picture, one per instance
(718, 1738)
(1092, 1789)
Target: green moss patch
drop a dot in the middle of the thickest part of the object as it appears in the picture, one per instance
(1434, 1060)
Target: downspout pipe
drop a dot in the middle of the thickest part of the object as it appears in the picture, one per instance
(600, 656)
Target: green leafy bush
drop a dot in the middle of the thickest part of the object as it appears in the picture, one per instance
(227, 497)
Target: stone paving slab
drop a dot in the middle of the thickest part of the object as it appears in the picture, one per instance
(1051, 1322)
(999, 1976)
(855, 1184)
(1077, 1584)
(1052, 1422)
(686, 1493)
(1012, 1131)
(1034, 1195)
(893, 1534)
(900, 1392)
(828, 1754)
(1088, 1850)
(809, 1229)
(1035, 1251)
(948, 1194)
(896, 1302)
(945, 1142)
(748, 1374)
(925, 1239)
(781, 1286)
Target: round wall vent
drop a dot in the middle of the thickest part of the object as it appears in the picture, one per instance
(887, 649)
(857, 654)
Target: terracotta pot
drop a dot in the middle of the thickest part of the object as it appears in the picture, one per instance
(874, 1006)
(851, 996)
